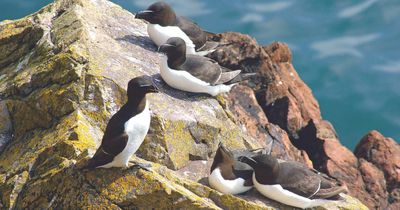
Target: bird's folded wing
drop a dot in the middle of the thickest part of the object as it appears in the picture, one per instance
(202, 68)
(108, 149)
(298, 179)
(227, 76)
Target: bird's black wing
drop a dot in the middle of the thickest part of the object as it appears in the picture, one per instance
(298, 179)
(113, 142)
(243, 171)
(194, 32)
(108, 150)
(202, 68)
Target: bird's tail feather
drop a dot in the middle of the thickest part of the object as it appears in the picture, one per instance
(332, 192)
(208, 46)
(241, 77)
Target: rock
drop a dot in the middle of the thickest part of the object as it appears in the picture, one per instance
(66, 77)
(384, 154)
(374, 183)
(288, 103)
(5, 126)
(279, 52)
(243, 103)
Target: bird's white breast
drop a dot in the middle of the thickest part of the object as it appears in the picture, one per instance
(160, 35)
(136, 128)
(183, 80)
(277, 193)
(218, 182)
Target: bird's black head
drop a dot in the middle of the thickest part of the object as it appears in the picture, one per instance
(158, 13)
(174, 47)
(141, 86)
(222, 155)
(262, 161)
(225, 152)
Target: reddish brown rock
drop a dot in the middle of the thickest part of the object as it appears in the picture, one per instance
(375, 184)
(244, 105)
(288, 103)
(384, 153)
(279, 52)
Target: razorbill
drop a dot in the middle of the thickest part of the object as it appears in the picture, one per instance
(127, 128)
(228, 175)
(193, 73)
(164, 24)
(292, 183)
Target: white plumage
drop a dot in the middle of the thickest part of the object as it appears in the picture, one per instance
(218, 182)
(160, 35)
(136, 128)
(277, 193)
(183, 80)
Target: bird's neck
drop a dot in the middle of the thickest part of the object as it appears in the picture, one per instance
(138, 101)
(176, 60)
(227, 171)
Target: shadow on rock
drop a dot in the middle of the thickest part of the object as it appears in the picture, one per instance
(175, 93)
(141, 41)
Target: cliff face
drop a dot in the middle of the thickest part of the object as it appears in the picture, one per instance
(63, 73)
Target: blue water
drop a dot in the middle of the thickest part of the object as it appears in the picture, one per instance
(347, 51)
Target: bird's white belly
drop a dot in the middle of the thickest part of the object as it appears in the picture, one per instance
(182, 80)
(160, 35)
(136, 128)
(277, 193)
(218, 182)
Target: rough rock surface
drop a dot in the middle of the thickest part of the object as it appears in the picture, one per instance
(381, 155)
(63, 71)
(288, 102)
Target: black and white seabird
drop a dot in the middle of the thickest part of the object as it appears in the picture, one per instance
(165, 24)
(193, 73)
(127, 128)
(228, 175)
(291, 182)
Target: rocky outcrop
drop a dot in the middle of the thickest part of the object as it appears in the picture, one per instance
(380, 158)
(63, 73)
(287, 102)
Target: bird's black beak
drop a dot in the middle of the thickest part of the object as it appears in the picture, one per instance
(143, 14)
(153, 89)
(224, 150)
(164, 48)
(250, 161)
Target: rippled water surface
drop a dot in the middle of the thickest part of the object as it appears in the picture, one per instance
(347, 51)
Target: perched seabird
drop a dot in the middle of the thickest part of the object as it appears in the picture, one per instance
(228, 175)
(193, 73)
(292, 183)
(164, 24)
(127, 128)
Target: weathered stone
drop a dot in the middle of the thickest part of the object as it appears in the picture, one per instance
(384, 153)
(279, 52)
(243, 103)
(17, 40)
(288, 102)
(5, 126)
(375, 184)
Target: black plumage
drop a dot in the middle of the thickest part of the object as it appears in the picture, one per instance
(200, 67)
(161, 13)
(115, 138)
(294, 177)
